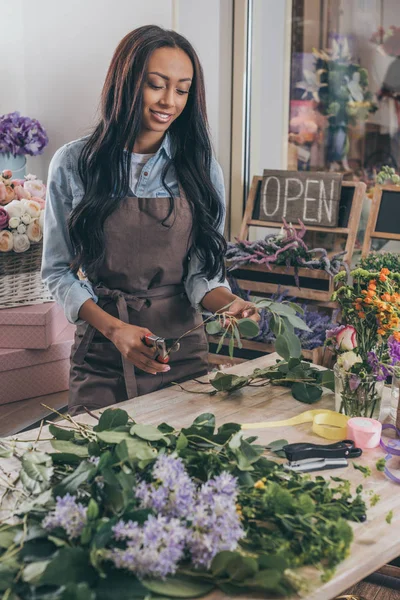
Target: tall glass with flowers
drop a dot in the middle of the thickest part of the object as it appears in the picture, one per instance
(367, 344)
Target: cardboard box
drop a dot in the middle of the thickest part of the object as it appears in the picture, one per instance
(35, 326)
(30, 373)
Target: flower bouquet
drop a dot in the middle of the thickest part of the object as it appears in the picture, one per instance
(367, 345)
(21, 231)
(130, 510)
(20, 136)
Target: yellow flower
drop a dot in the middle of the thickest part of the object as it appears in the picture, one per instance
(259, 485)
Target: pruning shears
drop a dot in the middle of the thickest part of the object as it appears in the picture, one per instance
(306, 457)
(162, 345)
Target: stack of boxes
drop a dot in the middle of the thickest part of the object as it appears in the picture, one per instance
(35, 347)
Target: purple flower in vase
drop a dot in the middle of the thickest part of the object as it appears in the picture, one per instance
(21, 135)
(380, 370)
(4, 218)
(394, 350)
(354, 382)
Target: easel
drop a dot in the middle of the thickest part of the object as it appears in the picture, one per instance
(316, 284)
(384, 215)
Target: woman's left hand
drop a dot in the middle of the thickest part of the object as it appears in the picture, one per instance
(242, 309)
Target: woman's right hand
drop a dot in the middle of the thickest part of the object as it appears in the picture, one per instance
(129, 341)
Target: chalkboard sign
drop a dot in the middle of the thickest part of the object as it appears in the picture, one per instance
(348, 213)
(384, 217)
(309, 196)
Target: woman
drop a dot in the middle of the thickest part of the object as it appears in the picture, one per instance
(139, 205)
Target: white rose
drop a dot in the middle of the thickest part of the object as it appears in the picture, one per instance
(21, 228)
(34, 231)
(6, 241)
(35, 187)
(14, 222)
(26, 219)
(21, 242)
(348, 359)
(41, 219)
(15, 208)
(32, 208)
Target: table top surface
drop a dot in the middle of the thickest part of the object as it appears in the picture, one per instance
(375, 541)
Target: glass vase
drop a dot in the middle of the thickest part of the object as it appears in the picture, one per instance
(357, 397)
(394, 401)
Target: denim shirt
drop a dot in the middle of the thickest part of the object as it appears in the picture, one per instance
(65, 190)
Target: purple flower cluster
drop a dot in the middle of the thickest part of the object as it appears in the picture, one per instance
(173, 491)
(215, 523)
(199, 522)
(68, 514)
(153, 549)
(21, 135)
(394, 350)
(380, 370)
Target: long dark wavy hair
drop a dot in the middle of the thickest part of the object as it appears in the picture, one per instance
(104, 166)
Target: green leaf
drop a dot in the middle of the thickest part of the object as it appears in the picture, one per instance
(71, 483)
(277, 445)
(7, 537)
(61, 434)
(327, 379)
(206, 420)
(34, 502)
(179, 587)
(293, 363)
(305, 392)
(118, 585)
(282, 347)
(36, 471)
(77, 591)
(92, 510)
(228, 382)
(147, 432)
(70, 448)
(213, 327)
(248, 328)
(237, 336)
(267, 579)
(272, 561)
(288, 345)
(33, 571)
(221, 561)
(70, 565)
(181, 442)
(221, 341)
(231, 346)
(112, 418)
(298, 323)
(296, 307)
(242, 567)
(113, 437)
(139, 449)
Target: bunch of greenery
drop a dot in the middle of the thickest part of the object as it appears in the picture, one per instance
(387, 175)
(376, 261)
(289, 520)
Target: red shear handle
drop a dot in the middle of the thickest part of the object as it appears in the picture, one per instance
(151, 342)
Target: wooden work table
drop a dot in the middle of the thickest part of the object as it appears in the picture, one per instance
(376, 542)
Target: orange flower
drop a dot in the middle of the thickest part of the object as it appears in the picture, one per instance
(385, 271)
(386, 297)
(362, 315)
(396, 335)
(371, 293)
(372, 286)
(382, 277)
(366, 301)
(381, 331)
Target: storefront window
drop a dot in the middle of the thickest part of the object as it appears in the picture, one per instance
(345, 87)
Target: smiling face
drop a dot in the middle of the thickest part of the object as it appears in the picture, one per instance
(165, 93)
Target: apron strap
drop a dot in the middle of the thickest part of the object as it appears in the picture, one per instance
(123, 300)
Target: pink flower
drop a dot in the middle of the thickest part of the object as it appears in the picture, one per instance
(7, 174)
(21, 193)
(346, 338)
(6, 241)
(34, 232)
(6, 194)
(35, 187)
(4, 218)
(18, 181)
(40, 201)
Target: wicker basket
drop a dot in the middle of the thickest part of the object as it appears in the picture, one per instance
(20, 280)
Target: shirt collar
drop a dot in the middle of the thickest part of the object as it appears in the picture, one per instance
(166, 145)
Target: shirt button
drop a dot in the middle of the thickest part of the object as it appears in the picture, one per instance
(145, 173)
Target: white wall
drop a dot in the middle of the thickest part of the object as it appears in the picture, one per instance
(54, 58)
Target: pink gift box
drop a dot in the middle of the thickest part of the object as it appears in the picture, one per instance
(30, 373)
(34, 326)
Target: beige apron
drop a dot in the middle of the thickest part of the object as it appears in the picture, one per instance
(140, 282)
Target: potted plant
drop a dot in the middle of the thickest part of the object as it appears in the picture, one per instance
(19, 136)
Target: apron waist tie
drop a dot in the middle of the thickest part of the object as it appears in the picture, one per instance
(123, 300)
